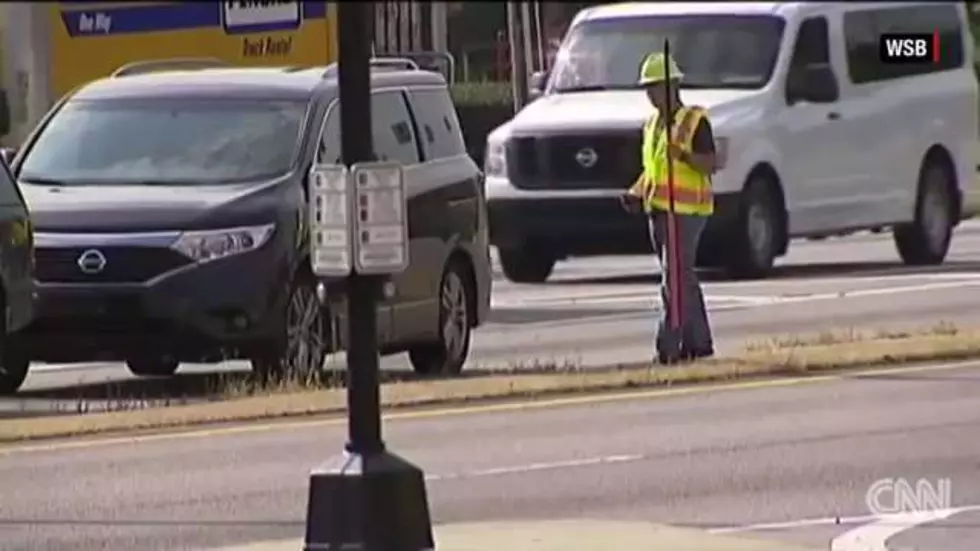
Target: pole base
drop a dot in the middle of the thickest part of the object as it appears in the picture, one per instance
(368, 502)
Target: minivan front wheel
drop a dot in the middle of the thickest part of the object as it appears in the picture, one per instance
(152, 365)
(304, 341)
(13, 367)
(926, 240)
(449, 353)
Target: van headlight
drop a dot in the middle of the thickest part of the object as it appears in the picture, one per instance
(495, 159)
(207, 245)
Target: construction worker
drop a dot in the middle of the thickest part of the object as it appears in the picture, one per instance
(692, 150)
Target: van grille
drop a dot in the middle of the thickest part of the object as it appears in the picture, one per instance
(123, 264)
(550, 162)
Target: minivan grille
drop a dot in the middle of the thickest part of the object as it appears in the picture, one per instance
(123, 264)
(553, 162)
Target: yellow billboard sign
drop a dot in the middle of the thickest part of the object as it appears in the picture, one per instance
(89, 40)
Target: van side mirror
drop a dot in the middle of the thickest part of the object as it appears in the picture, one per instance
(536, 84)
(813, 84)
(8, 154)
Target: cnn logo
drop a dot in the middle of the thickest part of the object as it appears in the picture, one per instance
(890, 496)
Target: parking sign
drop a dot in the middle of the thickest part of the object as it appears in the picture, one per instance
(380, 218)
(329, 221)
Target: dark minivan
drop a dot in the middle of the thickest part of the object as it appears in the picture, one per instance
(16, 276)
(170, 214)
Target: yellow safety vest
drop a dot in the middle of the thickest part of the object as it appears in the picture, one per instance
(692, 189)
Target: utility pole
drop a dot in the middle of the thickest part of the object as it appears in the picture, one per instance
(367, 498)
(518, 70)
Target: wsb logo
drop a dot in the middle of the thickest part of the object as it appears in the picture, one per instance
(909, 48)
(890, 496)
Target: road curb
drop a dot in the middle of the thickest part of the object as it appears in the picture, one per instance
(569, 535)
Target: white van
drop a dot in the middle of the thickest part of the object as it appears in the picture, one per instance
(821, 137)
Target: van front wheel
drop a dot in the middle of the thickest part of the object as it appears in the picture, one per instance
(757, 233)
(925, 241)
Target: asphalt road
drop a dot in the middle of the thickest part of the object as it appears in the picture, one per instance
(797, 455)
(601, 310)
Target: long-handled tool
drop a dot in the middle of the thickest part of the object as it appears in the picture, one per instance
(673, 244)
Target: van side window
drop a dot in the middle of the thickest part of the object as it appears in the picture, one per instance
(394, 138)
(862, 30)
(811, 55)
(812, 44)
(437, 122)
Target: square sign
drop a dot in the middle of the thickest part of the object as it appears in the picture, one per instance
(380, 221)
(331, 252)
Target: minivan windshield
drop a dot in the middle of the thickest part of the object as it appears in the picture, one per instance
(713, 51)
(163, 141)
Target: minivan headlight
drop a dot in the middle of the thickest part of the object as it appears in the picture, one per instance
(207, 245)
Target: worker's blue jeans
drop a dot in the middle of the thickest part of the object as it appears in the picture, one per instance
(694, 335)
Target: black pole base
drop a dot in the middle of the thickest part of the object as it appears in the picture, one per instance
(373, 502)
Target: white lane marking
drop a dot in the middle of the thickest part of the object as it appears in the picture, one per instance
(536, 467)
(753, 301)
(873, 536)
(790, 524)
(867, 520)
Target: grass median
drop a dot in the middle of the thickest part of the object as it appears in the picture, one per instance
(833, 351)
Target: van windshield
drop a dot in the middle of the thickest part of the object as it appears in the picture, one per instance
(713, 51)
(154, 141)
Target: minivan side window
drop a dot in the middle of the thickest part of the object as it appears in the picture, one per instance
(328, 150)
(8, 187)
(863, 28)
(438, 124)
(394, 139)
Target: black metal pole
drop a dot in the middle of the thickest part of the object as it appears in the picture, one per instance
(353, 75)
(367, 498)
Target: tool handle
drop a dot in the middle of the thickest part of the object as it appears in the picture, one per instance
(674, 255)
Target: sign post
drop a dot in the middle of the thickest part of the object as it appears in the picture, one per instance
(367, 498)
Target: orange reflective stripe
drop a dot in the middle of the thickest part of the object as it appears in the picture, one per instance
(700, 196)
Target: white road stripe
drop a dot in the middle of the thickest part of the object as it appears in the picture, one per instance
(535, 467)
(748, 300)
(873, 536)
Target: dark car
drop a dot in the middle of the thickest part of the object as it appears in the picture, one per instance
(16, 277)
(170, 211)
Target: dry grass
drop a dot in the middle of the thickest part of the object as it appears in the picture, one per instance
(790, 356)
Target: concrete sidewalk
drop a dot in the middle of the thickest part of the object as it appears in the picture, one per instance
(570, 535)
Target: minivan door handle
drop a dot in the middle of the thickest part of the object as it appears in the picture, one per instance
(833, 115)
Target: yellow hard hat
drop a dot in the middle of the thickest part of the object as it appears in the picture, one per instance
(654, 69)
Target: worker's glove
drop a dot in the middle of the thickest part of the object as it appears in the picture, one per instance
(631, 203)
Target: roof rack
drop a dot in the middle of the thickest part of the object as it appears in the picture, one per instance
(389, 63)
(423, 61)
(409, 61)
(177, 63)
